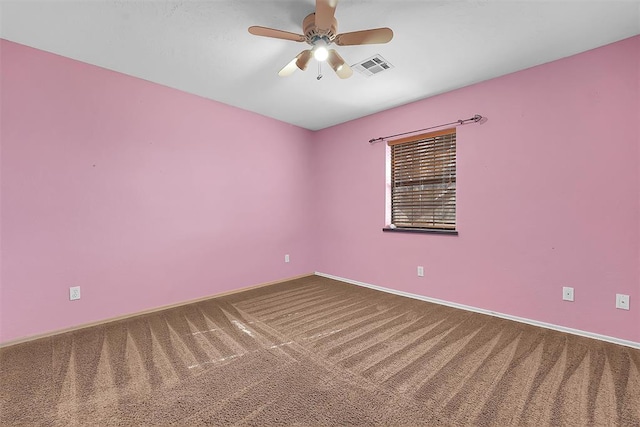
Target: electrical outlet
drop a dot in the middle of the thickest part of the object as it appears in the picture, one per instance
(74, 293)
(420, 271)
(567, 293)
(286, 258)
(622, 301)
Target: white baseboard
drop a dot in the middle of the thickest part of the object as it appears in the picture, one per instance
(600, 337)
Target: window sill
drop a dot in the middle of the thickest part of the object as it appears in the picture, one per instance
(420, 230)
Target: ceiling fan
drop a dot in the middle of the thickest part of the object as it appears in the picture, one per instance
(320, 31)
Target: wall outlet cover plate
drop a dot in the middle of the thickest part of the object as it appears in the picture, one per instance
(567, 293)
(622, 301)
(74, 293)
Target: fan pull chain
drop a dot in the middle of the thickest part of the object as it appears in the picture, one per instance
(319, 71)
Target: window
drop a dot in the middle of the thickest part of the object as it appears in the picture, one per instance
(423, 182)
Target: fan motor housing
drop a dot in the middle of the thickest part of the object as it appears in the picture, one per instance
(313, 33)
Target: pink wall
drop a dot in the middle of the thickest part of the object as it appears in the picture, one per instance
(121, 186)
(548, 196)
(142, 195)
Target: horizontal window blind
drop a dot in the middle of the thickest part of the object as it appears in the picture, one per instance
(423, 181)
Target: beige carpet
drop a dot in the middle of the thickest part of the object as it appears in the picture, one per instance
(318, 352)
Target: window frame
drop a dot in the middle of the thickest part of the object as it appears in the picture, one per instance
(443, 158)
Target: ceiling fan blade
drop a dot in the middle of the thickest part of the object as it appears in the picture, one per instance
(299, 62)
(374, 36)
(276, 34)
(325, 10)
(339, 66)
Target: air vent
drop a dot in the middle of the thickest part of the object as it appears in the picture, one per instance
(371, 66)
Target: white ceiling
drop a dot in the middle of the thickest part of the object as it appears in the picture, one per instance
(203, 47)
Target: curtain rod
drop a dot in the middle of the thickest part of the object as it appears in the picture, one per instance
(474, 119)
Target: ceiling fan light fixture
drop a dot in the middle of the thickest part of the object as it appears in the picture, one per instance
(320, 51)
(321, 54)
